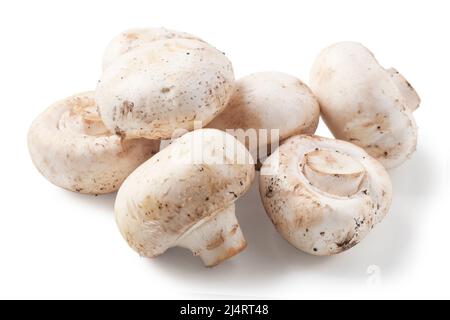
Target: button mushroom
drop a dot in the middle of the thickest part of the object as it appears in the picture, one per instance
(326, 194)
(164, 86)
(72, 148)
(184, 196)
(364, 103)
(135, 38)
(269, 100)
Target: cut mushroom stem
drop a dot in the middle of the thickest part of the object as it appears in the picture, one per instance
(412, 99)
(333, 172)
(216, 238)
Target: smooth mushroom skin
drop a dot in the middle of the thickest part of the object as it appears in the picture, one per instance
(71, 147)
(179, 198)
(326, 195)
(270, 100)
(164, 86)
(137, 37)
(363, 103)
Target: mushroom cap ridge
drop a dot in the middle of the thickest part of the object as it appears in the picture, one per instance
(363, 103)
(171, 194)
(71, 147)
(324, 222)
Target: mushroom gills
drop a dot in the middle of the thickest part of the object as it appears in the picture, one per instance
(215, 238)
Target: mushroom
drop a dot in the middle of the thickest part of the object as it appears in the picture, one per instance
(137, 37)
(71, 147)
(269, 100)
(164, 86)
(326, 195)
(184, 196)
(364, 103)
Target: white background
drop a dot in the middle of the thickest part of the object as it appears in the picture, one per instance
(56, 244)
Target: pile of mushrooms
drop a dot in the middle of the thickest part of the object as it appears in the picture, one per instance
(157, 85)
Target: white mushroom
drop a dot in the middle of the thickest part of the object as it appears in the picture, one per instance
(184, 196)
(137, 37)
(71, 147)
(163, 86)
(269, 100)
(364, 103)
(326, 194)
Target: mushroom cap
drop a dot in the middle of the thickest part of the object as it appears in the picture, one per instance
(163, 86)
(364, 103)
(72, 148)
(180, 188)
(135, 38)
(270, 100)
(326, 194)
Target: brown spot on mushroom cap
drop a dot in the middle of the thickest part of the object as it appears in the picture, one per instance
(127, 107)
(131, 36)
(347, 243)
(308, 217)
(234, 229)
(325, 74)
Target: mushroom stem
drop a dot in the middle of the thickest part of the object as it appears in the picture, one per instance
(410, 95)
(216, 238)
(333, 172)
